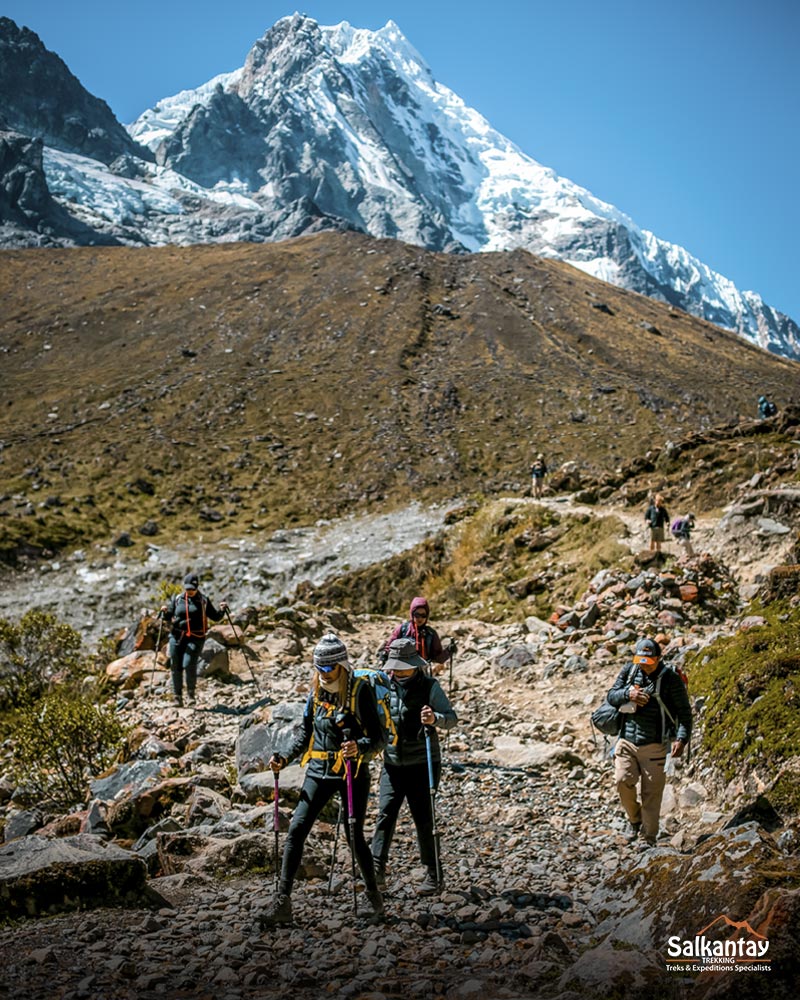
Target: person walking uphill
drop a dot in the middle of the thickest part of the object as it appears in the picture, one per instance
(189, 614)
(426, 638)
(655, 709)
(340, 723)
(657, 518)
(416, 702)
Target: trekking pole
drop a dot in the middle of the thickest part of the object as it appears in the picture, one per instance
(432, 788)
(449, 697)
(335, 845)
(158, 646)
(240, 640)
(276, 822)
(351, 821)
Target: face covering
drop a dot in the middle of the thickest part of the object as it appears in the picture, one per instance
(405, 681)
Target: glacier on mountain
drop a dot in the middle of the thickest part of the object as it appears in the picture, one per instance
(346, 127)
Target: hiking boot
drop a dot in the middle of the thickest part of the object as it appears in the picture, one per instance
(632, 832)
(430, 885)
(178, 700)
(647, 840)
(278, 913)
(191, 700)
(380, 875)
(376, 902)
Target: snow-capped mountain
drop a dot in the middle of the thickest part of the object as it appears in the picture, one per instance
(341, 127)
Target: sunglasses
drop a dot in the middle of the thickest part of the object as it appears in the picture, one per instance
(328, 668)
(420, 614)
(646, 661)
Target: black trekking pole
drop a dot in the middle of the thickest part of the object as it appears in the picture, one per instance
(158, 646)
(449, 697)
(276, 823)
(243, 647)
(335, 845)
(432, 788)
(351, 821)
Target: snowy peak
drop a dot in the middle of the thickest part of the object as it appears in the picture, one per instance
(343, 127)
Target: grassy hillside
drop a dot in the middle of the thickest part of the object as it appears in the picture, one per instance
(213, 389)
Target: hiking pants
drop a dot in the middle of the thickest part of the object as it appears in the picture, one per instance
(643, 764)
(398, 783)
(314, 796)
(183, 656)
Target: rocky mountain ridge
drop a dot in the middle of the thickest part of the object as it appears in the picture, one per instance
(336, 128)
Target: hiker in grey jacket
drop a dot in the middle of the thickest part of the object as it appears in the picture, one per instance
(656, 710)
(417, 702)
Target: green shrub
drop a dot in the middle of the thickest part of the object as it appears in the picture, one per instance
(60, 741)
(32, 652)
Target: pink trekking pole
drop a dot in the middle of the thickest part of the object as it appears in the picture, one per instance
(276, 824)
(351, 821)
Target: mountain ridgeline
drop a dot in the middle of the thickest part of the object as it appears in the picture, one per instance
(322, 128)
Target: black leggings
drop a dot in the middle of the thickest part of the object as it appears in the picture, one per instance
(314, 795)
(410, 783)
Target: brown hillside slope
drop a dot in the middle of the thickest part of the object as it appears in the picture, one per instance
(218, 387)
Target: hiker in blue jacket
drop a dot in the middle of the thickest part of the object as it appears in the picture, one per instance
(417, 701)
(656, 710)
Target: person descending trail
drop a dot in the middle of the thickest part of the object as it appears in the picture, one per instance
(657, 518)
(538, 473)
(418, 707)
(656, 710)
(188, 614)
(340, 724)
(426, 638)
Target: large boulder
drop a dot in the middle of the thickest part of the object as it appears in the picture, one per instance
(39, 876)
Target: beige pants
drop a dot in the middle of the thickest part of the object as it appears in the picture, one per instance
(643, 764)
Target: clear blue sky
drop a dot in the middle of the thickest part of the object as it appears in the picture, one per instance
(684, 114)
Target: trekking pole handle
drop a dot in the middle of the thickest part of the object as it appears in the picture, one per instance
(430, 757)
(276, 819)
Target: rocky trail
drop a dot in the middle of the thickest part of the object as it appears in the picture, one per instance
(544, 897)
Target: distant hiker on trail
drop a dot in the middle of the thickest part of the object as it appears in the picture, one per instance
(657, 518)
(417, 701)
(340, 723)
(656, 711)
(426, 638)
(189, 614)
(538, 472)
(681, 529)
(766, 408)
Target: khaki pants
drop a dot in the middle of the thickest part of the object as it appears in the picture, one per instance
(633, 764)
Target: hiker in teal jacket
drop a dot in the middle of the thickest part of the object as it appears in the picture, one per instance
(417, 701)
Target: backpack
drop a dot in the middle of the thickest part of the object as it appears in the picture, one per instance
(379, 682)
(678, 527)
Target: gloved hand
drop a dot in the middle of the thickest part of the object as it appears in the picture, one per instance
(452, 648)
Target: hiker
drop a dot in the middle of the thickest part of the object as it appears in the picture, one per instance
(681, 529)
(538, 472)
(657, 518)
(658, 711)
(189, 614)
(426, 638)
(416, 701)
(340, 722)
(766, 408)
